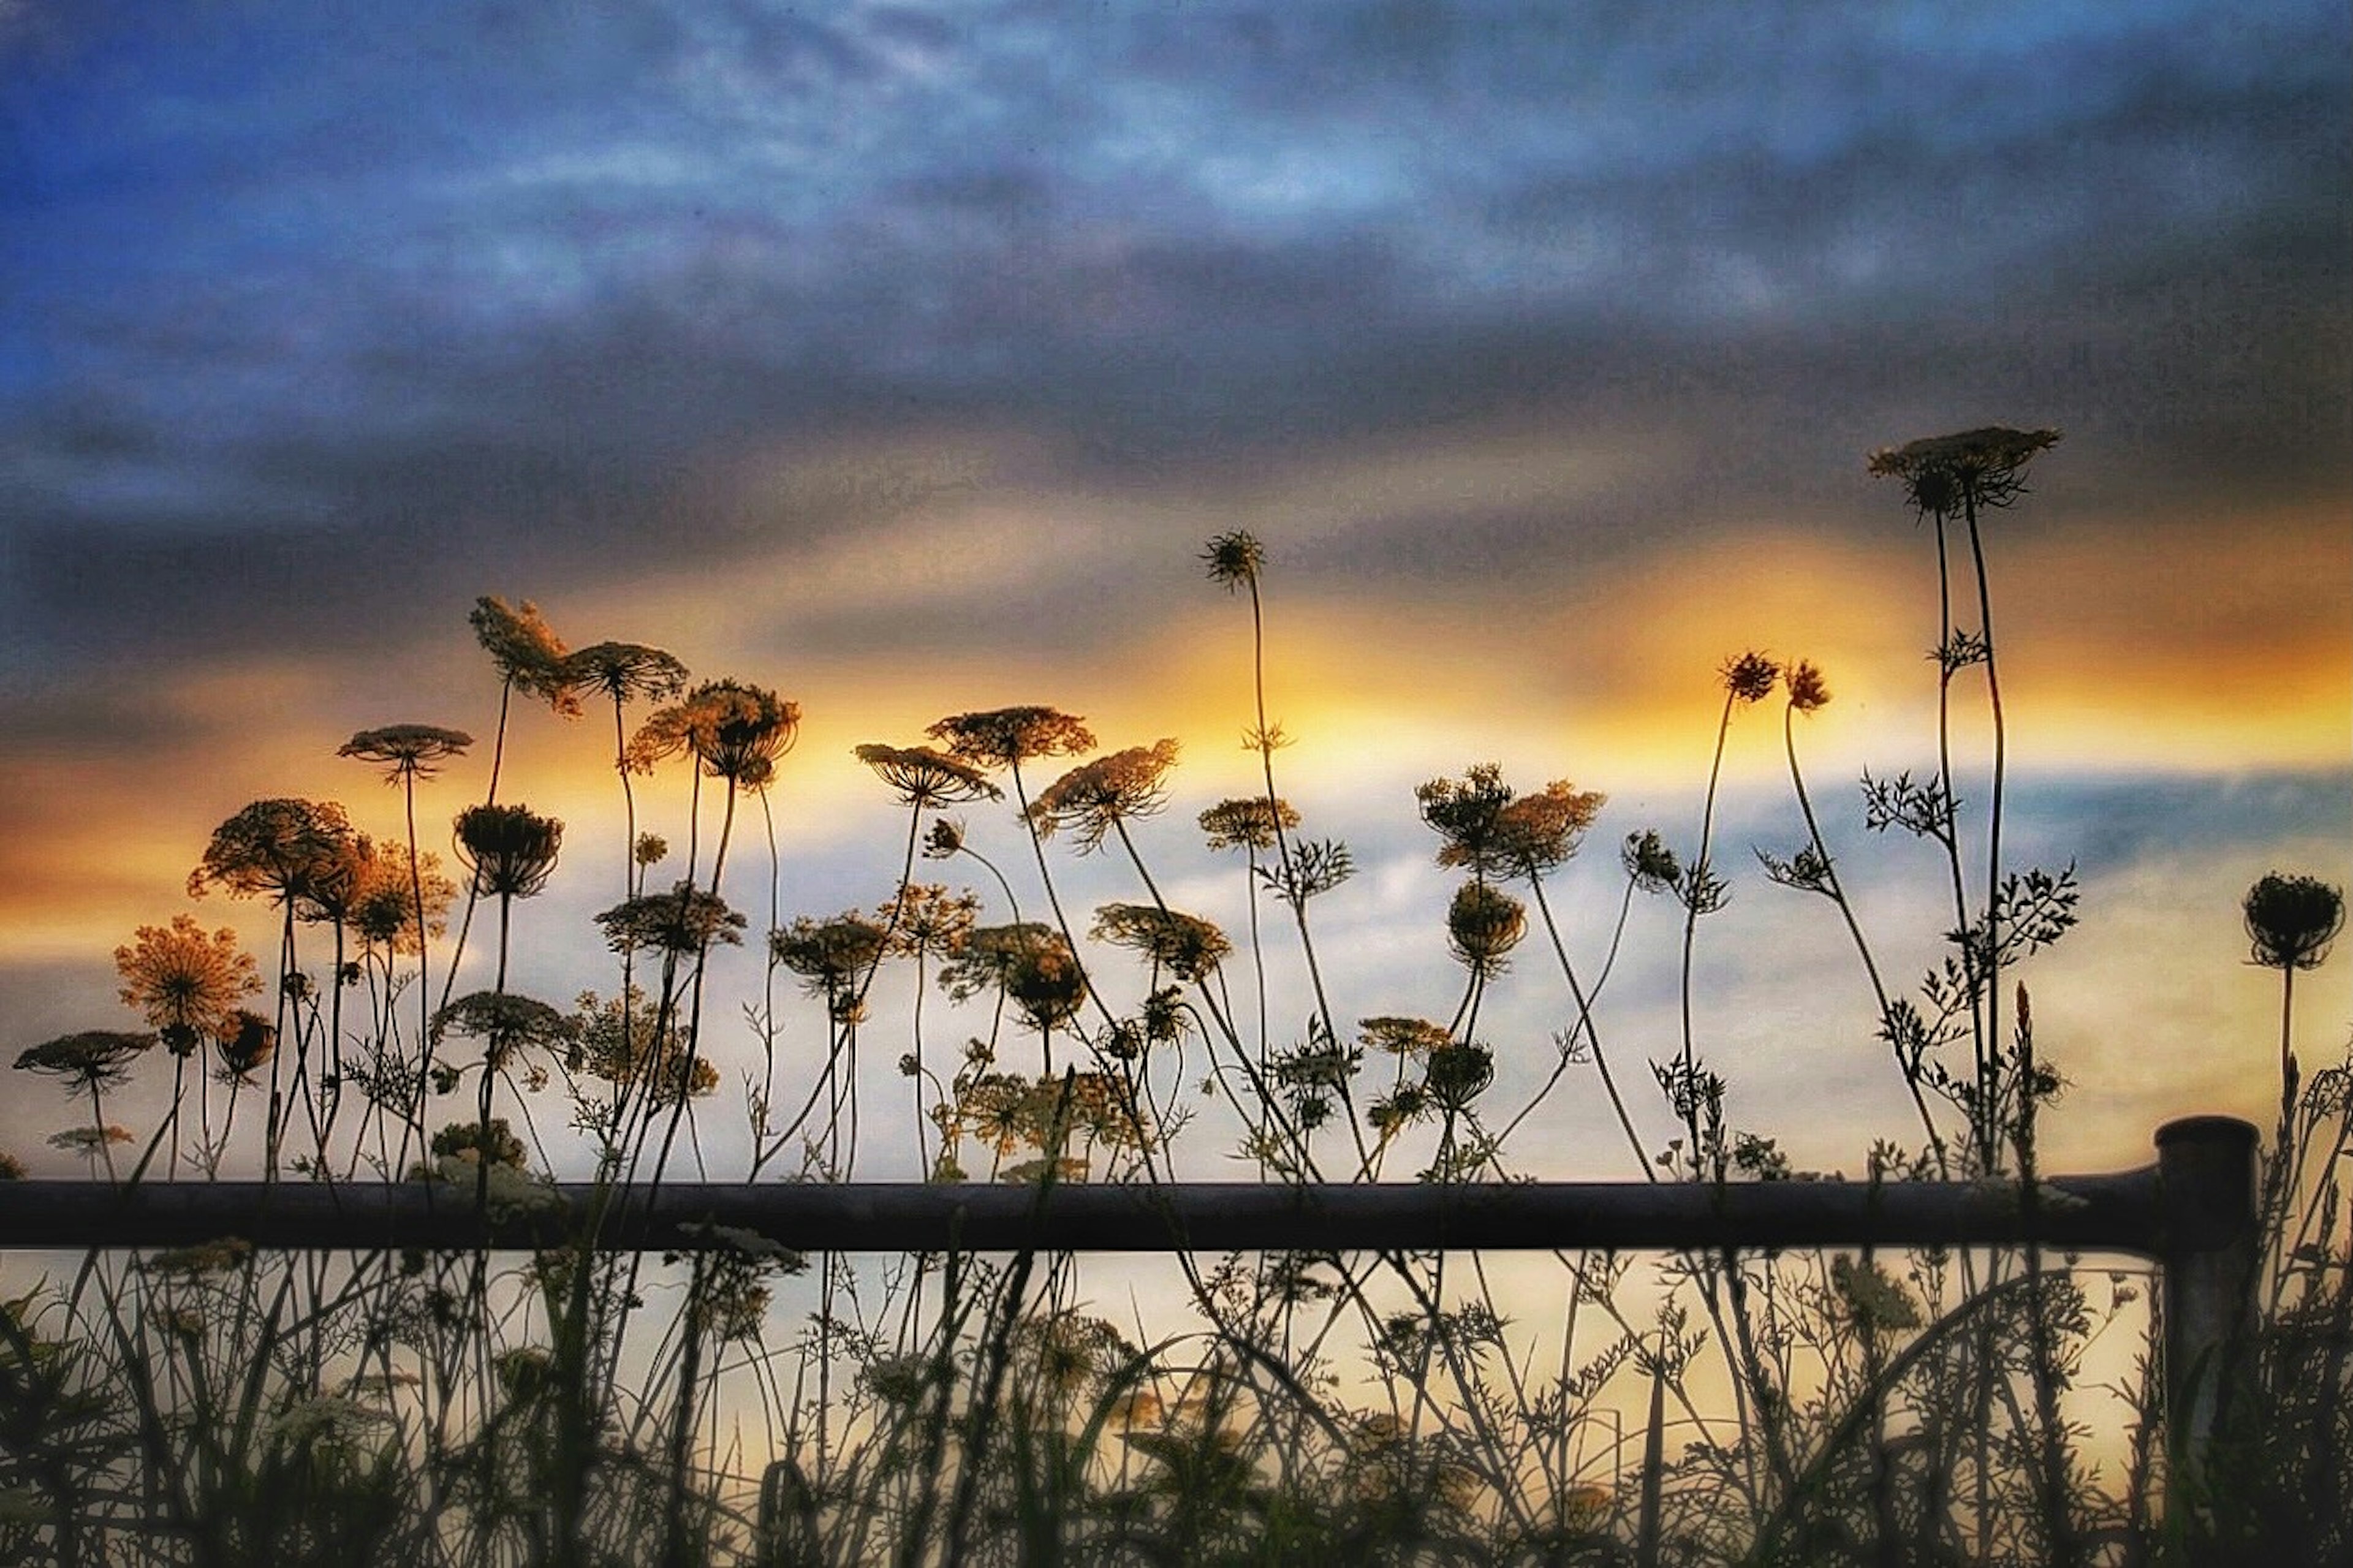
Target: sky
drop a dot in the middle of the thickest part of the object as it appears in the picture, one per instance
(902, 358)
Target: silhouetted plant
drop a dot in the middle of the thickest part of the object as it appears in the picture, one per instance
(1888, 1408)
(185, 983)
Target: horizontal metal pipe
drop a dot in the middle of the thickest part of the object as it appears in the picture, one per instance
(2117, 1212)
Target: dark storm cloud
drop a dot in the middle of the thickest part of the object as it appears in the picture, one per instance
(311, 309)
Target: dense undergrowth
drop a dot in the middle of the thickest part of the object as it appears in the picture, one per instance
(216, 1405)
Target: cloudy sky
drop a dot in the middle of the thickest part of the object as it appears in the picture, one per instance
(901, 358)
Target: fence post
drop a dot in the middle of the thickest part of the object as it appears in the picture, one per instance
(2207, 1237)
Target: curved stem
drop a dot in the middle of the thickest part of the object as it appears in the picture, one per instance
(1585, 1023)
(2000, 742)
(1837, 892)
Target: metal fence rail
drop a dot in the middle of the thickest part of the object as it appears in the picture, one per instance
(2193, 1211)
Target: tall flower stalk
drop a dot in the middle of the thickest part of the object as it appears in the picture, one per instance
(408, 753)
(287, 849)
(1236, 560)
(1964, 476)
(185, 983)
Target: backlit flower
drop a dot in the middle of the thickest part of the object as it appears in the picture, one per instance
(284, 848)
(620, 1045)
(382, 906)
(925, 918)
(185, 982)
(510, 849)
(925, 778)
(831, 956)
(1234, 559)
(626, 671)
(407, 750)
(1751, 676)
(684, 919)
(1031, 962)
(736, 730)
(1093, 798)
(1402, 1036)
(244, 1045)
(1002, 737)
(1248, 822)
(504, 1023)
(1483, 925)
(1186, 945)
(530, 657)
(87, 1061)
(1809, 692)
(1535, 832)
(1942, 474)
(1462, 812)
(2291, 921)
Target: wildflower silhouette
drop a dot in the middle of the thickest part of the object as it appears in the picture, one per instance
(509, 850)
(926, 922)
(1096, 798)
(1944, 476)
(832, 957)
(507, 1025)
(1238, 561)
(184, 981)
(2291, 922)
(924, 781)
(245, 1044)
(1814, 869)
(529, 658)
(406, 752)
(1252, 824)
(1462, 812)
(1005, 738)
(1031, 963)
(280, 847)
(1747, 678)
(89, 1063)
(383, 908)
(625, 672)
(609, 1042)
(1186, 945)
(186, 984)
(1399, 1037)
(1248, 822)
(1809, 692)
(1534, 834)
(734, 730)
(681, 922)
(298, 852)
(1650, 864)
(1483, 925)
(925, 778)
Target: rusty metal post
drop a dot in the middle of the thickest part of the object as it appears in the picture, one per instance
(2208, 1234)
